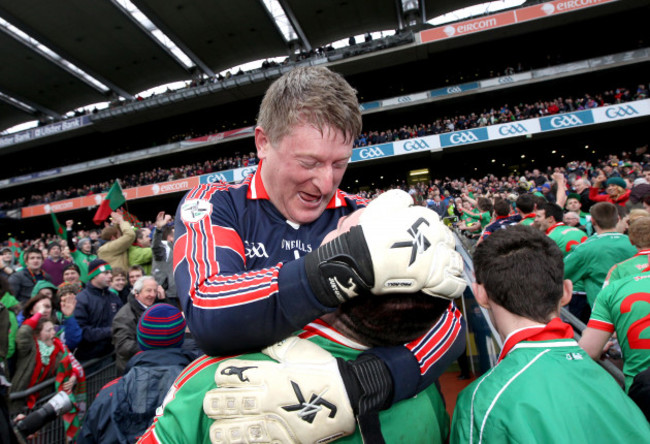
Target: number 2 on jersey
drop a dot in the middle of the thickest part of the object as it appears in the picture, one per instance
(637, 327)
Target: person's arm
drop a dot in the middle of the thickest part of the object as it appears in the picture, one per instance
(68, 227)
(560, 195)
(600, 326)
(593, 341)
(140, 256)
(124, 339)
(157, 247)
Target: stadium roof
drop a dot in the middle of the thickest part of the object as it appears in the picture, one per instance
(71, 54)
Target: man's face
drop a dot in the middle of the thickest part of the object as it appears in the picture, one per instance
(302, 171)
(93, 235)
(573, 205)
(7, 256)
(541, 221)
(34, 261)
(170, 238)
(118, 282)
(103, 279)
(145, 240)
(571, 219)
(86, 247)
(147, 295)
(71, 276)
(55, 252)
(646, 174)
(134, 275)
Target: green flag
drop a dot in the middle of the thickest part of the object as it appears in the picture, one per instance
(58, 229)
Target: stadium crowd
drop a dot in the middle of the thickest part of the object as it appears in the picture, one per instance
(69, 301)
(493, 116)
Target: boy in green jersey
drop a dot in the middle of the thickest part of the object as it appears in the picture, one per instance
(639, 234)
(544, 388)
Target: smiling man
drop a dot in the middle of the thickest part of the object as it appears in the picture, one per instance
(247, 263)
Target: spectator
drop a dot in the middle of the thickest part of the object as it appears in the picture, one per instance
(549, 219)
(119, 284)
(503, 218)
(95, 310)
(54, 264)
(540, 367)
(22, 282)
(82, 253)
(72, 276)
(135, 273)
(7, 263)
(616, 192)
(12, 306)
(639, 235)
(140, 253)
(125, 408)
(525, 207)
(574, 205)
(163, 256)
(590, 262)
(125, 323)
(119, 238)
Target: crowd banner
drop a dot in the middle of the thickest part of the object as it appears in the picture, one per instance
(433, 143)
(44, 131)
(455, 89)
(506, 80)
(412, 98)
(507, 18)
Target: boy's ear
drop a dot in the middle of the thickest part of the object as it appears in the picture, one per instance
(480, 295)
(567, 292)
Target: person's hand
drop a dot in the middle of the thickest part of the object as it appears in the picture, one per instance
(601, 178)
(68, 303)
(559, 177)
(39, 307)
(160, 292)
(397, 248)
(301, 398)
(69, 384)
(69, 223)
(117, 218)
(162, 219)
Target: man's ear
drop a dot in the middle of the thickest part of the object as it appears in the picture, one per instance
(480, 295)
(567, 292)
(262, 142)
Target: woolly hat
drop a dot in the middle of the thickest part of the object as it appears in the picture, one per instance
(43, 284)
(573, 196)
(616, 181)
(161, 326)
(97, 266)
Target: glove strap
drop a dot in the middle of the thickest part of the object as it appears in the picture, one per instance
(369, 386)
(340, 269)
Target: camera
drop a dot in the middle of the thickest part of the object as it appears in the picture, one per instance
(55, 407)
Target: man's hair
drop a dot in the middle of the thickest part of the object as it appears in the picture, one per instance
(139, 284)
(605, 215)
(119, 271)
(167, 231)
(310, 95)
(140, 233)
(32, 250)
(29, 304)
(484, 204)
(52, 245)
(539, 201)
(526, 203)
(522, 271)
(136, 267)
(389, 320)
(5, 249)
(639, 233)
(74, 267)
(109, 232)
(551, 209)
(501, 207)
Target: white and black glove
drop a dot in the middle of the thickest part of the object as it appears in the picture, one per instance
(397, 247)
(301, 398)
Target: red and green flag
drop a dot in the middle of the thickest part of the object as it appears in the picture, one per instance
(113, 200)
(14, 245)
(58, 229)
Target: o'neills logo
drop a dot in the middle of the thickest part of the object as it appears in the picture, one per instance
(170, 187)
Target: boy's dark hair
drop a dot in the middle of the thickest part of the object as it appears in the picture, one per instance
(484, 204)
(605, 215)
(166, 231)
(391, 319)
(522, 271)
(526, 203)
(32, 250)
(551, 209)
(501, 207)
(539, 201)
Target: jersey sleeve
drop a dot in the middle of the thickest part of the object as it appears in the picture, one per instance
(573, 266)
(418, 364)
(228, 308)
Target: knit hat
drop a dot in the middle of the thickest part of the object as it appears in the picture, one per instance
(43, 284)
(616, 181)
(573, 196)
(161, 326)
(97, 266)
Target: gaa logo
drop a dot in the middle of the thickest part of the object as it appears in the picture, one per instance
(454, 90)
(512, 130)
(415, 145)
(505, 80)
(404, 99)
(218, 177)
(621, 111)
(369, 153)
(463, 138)
(566, 121)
